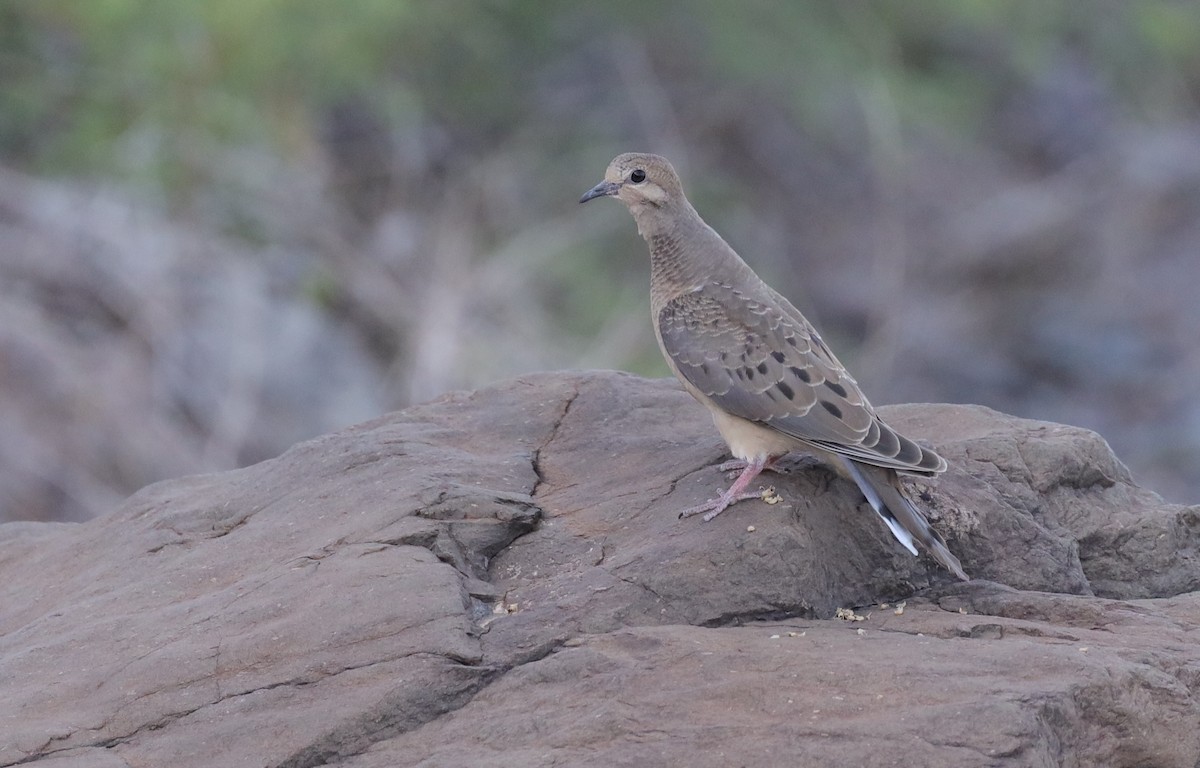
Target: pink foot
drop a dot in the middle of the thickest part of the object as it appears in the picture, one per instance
(737, 492)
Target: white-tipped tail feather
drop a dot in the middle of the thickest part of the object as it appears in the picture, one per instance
(905, 521)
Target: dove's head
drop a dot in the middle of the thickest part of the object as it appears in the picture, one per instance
(648, 186)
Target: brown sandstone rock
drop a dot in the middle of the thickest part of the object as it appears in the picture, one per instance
(499, 578)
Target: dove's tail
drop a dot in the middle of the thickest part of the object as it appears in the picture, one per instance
(906, 522)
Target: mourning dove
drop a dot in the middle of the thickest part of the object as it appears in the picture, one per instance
(760, 367)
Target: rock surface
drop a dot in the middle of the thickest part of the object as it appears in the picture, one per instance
(499, 578)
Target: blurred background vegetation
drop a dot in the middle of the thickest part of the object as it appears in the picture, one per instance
(231, 225)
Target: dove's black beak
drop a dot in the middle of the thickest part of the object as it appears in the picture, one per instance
(603, 189)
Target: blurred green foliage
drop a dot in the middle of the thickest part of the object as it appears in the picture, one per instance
(79, 79)
(167, 94)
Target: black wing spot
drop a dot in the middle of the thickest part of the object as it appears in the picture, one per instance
(779, 356)
(791, 340)
(749, 373)
(704, 368)
(762, 368)
(836, 388)
(833, 409)
(801, 374)
(787, 391)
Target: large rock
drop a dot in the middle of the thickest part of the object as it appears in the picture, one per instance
(500, 578)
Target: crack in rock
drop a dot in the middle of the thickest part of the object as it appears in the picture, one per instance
(536, 459)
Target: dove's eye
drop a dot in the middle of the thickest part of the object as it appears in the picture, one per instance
(638, 176)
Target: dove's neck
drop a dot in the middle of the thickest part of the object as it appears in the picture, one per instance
(686, 253)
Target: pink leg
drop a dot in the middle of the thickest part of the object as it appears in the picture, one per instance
(737, 465)
(737, 492)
